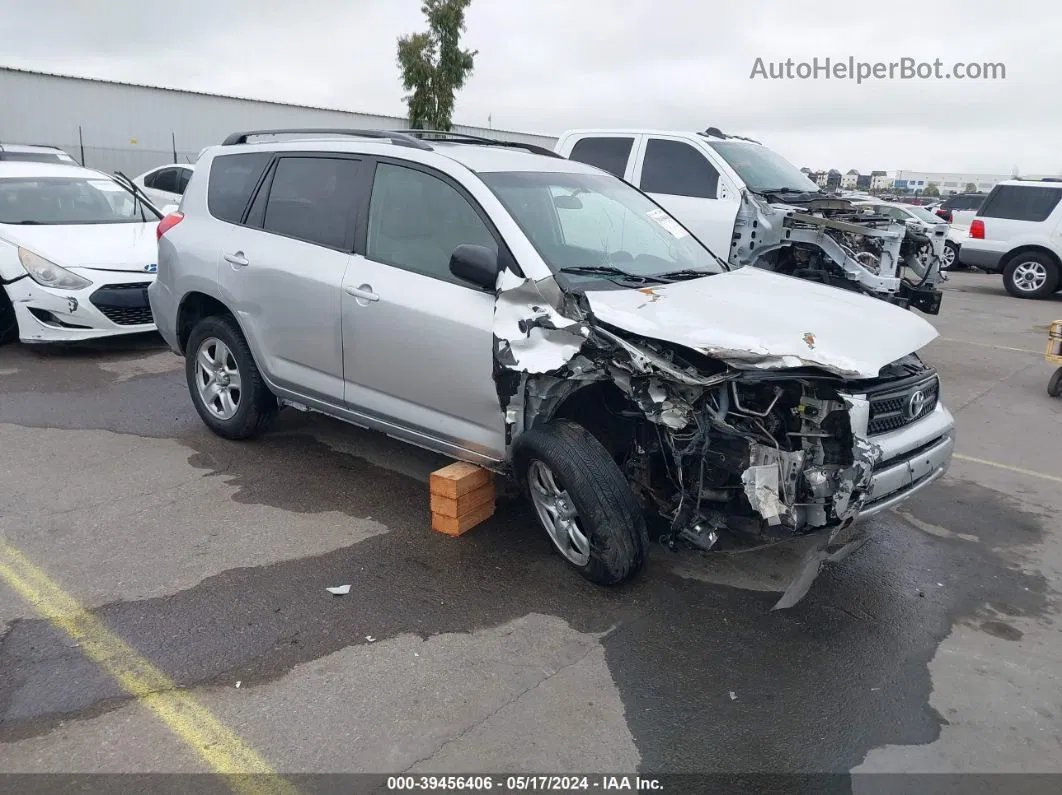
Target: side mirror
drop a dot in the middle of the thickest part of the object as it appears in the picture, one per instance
(475, 264)
(169, 208)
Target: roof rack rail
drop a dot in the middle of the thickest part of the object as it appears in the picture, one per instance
(458, 137)
(715, 132)
(397, 138)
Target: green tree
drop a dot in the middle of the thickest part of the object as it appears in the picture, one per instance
(931, 190)
(970, 188)
(434, 67)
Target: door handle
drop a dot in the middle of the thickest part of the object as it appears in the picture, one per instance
(363, 293)
(237, 259)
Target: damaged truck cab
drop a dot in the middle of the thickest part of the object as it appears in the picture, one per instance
(752, 207)
(538, 316)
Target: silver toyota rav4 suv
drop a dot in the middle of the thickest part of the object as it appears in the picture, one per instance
(540, 317)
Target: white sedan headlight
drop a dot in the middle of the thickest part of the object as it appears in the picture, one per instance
(48, 274)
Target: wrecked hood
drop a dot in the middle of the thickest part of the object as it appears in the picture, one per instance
(753, 318)
(117, 247)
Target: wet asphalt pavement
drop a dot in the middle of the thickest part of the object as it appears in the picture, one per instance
(934, 648)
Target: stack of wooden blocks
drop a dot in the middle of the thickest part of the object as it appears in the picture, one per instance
(462, 496)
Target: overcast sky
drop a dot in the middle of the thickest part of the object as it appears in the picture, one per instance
(551, 65)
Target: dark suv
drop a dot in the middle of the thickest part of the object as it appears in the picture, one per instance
(964, 203)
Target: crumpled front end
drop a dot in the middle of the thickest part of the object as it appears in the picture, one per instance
(721, 453)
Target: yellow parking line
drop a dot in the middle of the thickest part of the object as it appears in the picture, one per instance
(218, 746)
(989, 345)
(1030, 472)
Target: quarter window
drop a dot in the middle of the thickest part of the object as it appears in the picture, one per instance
(416, 221)
(677, 169)
(232, 181)
(164, 180)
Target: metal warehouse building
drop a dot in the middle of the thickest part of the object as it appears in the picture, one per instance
(122, 126)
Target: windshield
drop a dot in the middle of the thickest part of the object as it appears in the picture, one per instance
(597, 221)
(761, 169)
(57, 201)
(922, 214)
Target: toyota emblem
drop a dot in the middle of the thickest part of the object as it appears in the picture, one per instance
(915, 403)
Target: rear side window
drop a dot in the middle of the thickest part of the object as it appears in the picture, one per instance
(609, 154)
(677, 169)
(1021, 202)
(313, 199)
(165, 180)
(232, 181)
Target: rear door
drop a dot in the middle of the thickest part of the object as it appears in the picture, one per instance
(684, 181)
(418, 342)
(282, 269)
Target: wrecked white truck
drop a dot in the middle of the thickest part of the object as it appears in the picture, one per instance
(539, 317)
(751, 206)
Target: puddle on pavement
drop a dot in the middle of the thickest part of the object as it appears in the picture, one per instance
(841, 673)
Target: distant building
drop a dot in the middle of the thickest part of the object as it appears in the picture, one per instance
(863, 182)
(850, 179)
(833, 179)
(879, 180)
(949, 183)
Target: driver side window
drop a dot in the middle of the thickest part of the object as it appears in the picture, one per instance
(416, 220)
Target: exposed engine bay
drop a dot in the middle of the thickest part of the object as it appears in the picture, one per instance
(724, 449)
(828, 240)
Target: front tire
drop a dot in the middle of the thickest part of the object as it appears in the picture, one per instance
(582, 501)
(226, 387)
(1031, 275)
(1054, 386)
(8, 321)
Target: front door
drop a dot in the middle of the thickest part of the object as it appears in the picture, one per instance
(682, 180)
(418, 342)
(283, 272)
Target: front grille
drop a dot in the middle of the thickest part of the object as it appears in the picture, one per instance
(124, 304)
(892, 409)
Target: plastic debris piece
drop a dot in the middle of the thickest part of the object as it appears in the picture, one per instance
(733, 696)
(238, 683)
(339, 590)
(370, 638)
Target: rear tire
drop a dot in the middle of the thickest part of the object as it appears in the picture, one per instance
(226, 387)
(592, 516)
(1031, 275)
(8, 321)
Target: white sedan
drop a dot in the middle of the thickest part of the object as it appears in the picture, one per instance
(919, 216)
(77, 253)
(165, 184)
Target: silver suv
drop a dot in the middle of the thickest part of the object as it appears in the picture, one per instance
(534, 315)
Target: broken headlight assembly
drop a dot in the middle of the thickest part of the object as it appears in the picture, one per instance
(48, 274)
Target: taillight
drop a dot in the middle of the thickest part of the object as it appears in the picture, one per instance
(167, 223)
(977, 229)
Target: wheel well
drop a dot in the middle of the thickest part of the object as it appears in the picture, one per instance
(194, 308)
(1011, 255)
(600, 408)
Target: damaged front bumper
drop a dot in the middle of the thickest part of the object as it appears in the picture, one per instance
(115, 303)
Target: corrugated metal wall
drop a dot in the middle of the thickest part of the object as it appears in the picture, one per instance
(133, 128)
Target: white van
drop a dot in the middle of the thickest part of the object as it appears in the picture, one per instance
(751, 206)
